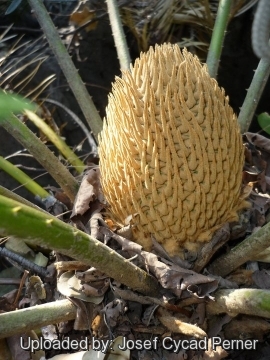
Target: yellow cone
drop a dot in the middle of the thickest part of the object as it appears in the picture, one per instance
(171, 153)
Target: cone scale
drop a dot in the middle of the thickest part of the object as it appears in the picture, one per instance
(171, 153)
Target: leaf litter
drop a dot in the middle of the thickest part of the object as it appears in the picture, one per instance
(111, 312)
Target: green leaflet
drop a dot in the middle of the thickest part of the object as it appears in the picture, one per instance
(264, 122)
(12, 103)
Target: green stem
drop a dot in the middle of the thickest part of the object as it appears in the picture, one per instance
(75, 82)
(57, 141)
(118, 35)
(11, 195)
(243, 252)
(47, 231)
(42, 154)
(218, 37)
(22, 178)
(20, 321)
(254, 93)
(254, 302)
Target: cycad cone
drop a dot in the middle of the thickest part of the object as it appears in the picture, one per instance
(171, 153)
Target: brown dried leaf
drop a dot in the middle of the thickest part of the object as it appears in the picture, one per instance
(220, 237)
(89, 191)
(260, 201)
(96, 323)
(127, 245)
(256, 164)
(132, 296)
(148, 316)
(246, 328)
(240, 228)
(7, 301)
(111, 224)
(114, 312)
(69, 285)
(178, 279)
(170, 276)
(94, 224)
(65, 327)
(81, 15)
(224, 283)
(60, 196)
(91, 274)
(81, 321)
(216, 323)
(49, 332)
(178, 326)
(242, 277)
(258, 140)
(16, 350)
(23, 302)
(97, 288)
(125, 231)
(262, 278)
(89, 290)
(198, 315)
(84, 314)
(217, 354)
